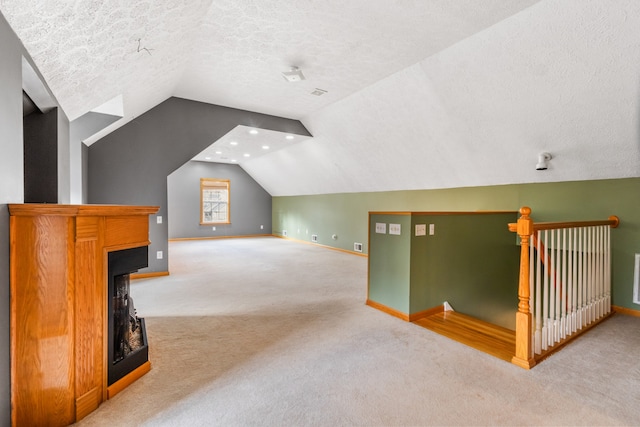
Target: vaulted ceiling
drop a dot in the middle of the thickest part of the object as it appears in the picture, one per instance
(417, 94)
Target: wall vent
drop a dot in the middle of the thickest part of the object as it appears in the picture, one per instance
(314, 238)
(357, 247)
(636, 281)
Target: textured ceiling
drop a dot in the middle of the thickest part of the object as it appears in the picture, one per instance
(420, 94)
(561, 77)
(232, 52)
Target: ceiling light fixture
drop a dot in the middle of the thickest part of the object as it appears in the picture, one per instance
(207, 158)
(247, 155)
(289, 137)
(543, 161)
(265, 147)
(253, 132)
(294, 75)
(233, 143)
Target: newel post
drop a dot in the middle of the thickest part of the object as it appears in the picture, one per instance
(524, 354)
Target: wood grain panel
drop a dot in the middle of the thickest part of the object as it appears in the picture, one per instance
(89, 320)
(88, 402)
(127, 230)
(87, 228)
(41, 321)
(491, 339)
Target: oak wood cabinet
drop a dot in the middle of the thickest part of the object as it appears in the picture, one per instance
(58, 305)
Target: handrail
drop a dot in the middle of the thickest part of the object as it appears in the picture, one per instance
(527, 231)
(613, 221)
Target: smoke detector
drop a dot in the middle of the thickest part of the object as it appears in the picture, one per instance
(294, 75)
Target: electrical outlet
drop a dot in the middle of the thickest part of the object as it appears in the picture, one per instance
(159, 255)
(159, 219)
(213, 228)
(357, 247)
(394, 229)
(432, 229)
(314, 238)
(262, 227)
(421, 229)
(284, 233)
(381, 228)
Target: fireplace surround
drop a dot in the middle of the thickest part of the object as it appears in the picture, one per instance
(60, 305)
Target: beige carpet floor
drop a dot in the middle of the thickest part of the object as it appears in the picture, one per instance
(270, 332)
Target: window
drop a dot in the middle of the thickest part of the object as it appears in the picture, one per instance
(214, 201)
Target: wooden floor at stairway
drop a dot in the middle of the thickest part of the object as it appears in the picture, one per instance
(491, 339)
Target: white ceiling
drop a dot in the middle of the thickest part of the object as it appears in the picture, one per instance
(420, 94)
(244, 144)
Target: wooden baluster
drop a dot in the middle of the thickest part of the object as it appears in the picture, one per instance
(523, 356)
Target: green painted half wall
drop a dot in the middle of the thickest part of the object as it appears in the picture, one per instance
(346, 214)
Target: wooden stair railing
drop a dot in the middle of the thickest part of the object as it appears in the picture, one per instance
(558, 311)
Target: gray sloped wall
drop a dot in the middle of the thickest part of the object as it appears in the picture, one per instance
(130, 166)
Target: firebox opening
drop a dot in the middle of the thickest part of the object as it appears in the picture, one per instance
(128, 348)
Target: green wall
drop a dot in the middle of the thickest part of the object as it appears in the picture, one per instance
(390, 263)
(471, 261)
(346, 214)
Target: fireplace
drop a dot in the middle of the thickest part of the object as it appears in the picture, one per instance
(61, 305)
(128, 347)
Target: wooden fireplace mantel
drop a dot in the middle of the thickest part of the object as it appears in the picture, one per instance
(58, 305)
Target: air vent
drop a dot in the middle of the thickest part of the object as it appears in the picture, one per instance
(357, 247)
(318, 92)
(314, 238)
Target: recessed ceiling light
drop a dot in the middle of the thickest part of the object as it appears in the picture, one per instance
(253, 132)
(218, 152)
(233, 143)
(289, 137)
(265, 147)
(207, 158)
(247, 155)
(234, 161)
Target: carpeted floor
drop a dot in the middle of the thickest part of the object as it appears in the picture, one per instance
(270, 332)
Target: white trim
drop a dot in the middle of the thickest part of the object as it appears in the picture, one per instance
(636, 281)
